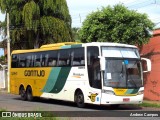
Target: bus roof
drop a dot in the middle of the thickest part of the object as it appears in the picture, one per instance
(110, 44)
(57, 46)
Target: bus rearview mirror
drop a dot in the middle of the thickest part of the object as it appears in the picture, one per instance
(146, 65)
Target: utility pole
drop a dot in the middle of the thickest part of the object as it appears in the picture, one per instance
(80, 17)
(8, 51)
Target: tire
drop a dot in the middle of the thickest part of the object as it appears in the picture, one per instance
(80, 99)
(29, 94)
(23, 93)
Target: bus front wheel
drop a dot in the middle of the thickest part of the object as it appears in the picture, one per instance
(80, 99)
(23, 93)
(29, 94)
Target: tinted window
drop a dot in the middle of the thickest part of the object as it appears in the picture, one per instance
(52, 58)
(93, 64)
(29, 60)
(92, 54)
(14, 61)
(78, 57)
(37, 59)
(22, 60)
(44, 59)
(64, 57)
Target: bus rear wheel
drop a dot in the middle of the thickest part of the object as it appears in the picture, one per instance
(29, 94)
(23, 93)
(80, 99)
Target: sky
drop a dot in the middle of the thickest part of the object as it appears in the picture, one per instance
(79, 9)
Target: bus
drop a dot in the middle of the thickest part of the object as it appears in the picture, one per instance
(98, 73)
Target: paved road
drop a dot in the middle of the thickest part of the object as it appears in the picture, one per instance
(11, 102)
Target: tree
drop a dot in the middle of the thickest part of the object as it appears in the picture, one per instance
(37, 22)
(2, 59)
(117, 24)
(75, 34)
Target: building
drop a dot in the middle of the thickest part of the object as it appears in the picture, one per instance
(152, 79)
(3, 44)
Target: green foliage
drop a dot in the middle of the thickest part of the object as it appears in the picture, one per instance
(2, 59)
(151, 104)
(55, 28)
(146, 104)
(75, 32)
(37, 22)
(117, 24)
(31, 15)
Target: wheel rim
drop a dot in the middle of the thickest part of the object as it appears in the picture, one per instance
(80, 99)
(23, 94)
(29, 94)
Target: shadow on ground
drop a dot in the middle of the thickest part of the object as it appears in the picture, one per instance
(88, 106)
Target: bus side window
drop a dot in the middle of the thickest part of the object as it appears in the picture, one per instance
(93, 64)
(37, 60)
(44, 59)
(64, 57)
(22, 60)
(14, 61)
(28, 61)
(52, 60)
(78, 57)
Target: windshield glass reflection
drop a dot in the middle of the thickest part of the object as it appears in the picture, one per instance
(123, 73)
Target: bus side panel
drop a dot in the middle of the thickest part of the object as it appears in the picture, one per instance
(64, 81)
(54, 86)
(76, 78)
(34, 77)
(14, 82)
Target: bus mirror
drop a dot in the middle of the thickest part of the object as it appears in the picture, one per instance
(146, 64)
(102, 62)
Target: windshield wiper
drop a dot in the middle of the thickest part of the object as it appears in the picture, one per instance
(122, 71)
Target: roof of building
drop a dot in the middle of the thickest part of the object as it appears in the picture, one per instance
(156, 32)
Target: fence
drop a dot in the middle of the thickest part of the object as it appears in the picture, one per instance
(3, 77)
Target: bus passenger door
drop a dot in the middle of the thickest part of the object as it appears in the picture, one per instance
(94, 74)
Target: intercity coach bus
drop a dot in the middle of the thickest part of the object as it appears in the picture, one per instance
(98, 73)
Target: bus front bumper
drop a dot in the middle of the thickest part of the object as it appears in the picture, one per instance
(113, 99)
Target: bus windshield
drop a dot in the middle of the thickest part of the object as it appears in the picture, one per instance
(123, 68)
(123, 73)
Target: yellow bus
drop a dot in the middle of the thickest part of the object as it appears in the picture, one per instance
(98, 73)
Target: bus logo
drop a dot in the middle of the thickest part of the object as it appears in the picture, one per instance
(93, 97)
(38, 73)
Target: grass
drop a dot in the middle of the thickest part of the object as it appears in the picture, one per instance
(149, 104)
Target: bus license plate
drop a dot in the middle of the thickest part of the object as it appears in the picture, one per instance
(126, 99)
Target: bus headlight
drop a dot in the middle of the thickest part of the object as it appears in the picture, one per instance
(108, 92)
(140, 92)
